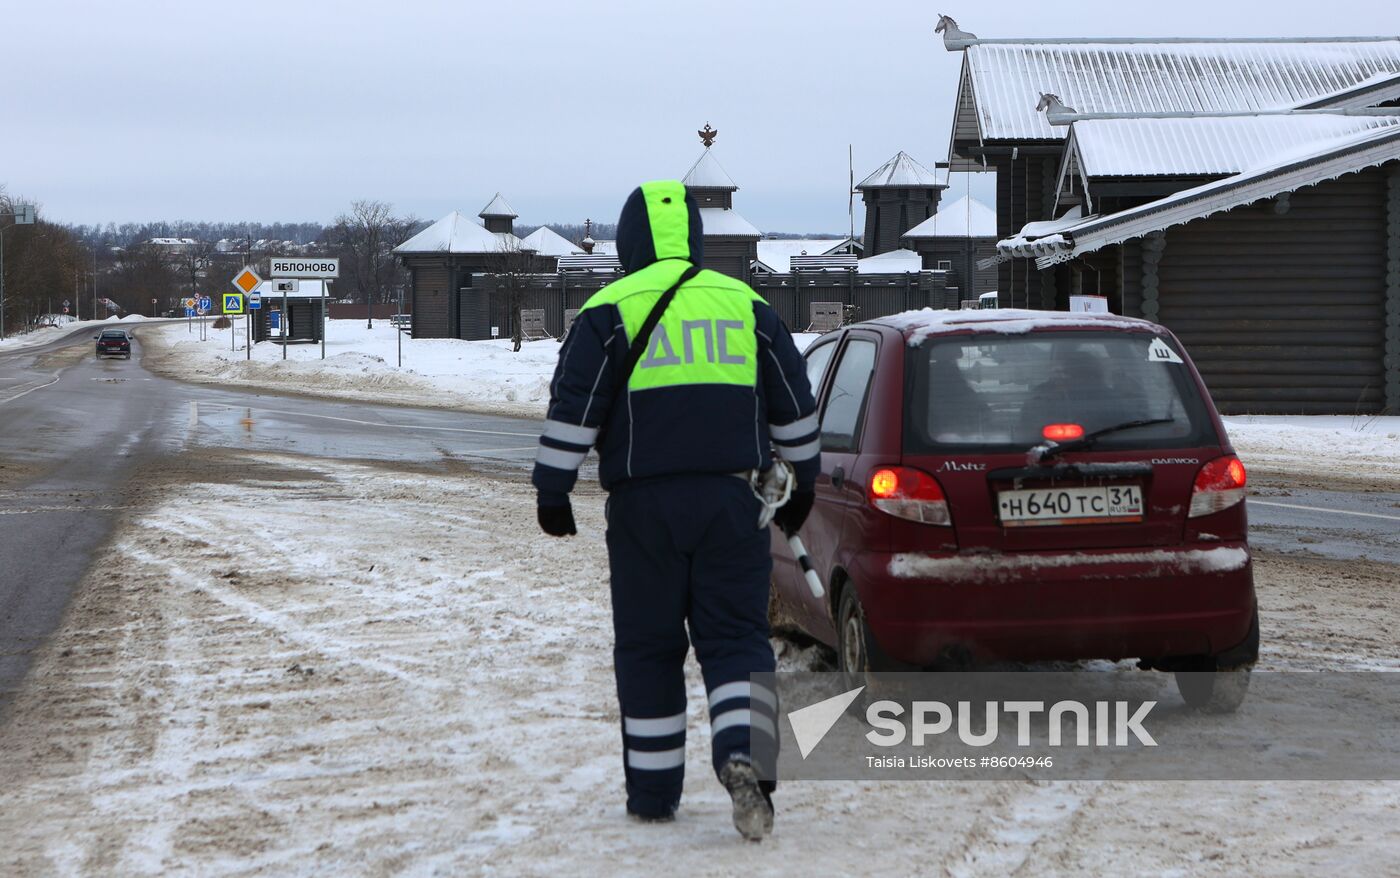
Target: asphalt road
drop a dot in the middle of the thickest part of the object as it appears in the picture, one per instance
(74, 430)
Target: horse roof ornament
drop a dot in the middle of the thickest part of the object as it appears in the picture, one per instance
(1056, 113)
(954, 37)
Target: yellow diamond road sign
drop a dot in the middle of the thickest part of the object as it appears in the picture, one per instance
(233, 303)
(246, 280)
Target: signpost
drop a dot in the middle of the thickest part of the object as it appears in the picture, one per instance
(322, 268)
(233, 306)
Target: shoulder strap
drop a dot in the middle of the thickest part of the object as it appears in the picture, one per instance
(639, 344)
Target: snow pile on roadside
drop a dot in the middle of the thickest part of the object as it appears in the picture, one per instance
(361, 363)
(1359, 446)
(45, 334)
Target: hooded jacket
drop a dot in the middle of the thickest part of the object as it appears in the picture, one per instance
(719, 388)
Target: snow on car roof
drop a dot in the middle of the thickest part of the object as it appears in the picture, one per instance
(921, 324)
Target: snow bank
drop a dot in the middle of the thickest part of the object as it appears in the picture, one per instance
(1355, 446)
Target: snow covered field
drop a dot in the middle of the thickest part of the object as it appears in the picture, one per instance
(487, 376)
(277, 667)
(362, 364)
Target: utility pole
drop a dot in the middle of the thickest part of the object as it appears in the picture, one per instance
(23, 216)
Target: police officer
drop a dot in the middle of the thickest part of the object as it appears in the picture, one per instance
(682, 416)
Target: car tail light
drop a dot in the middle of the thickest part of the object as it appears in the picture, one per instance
(908, 493)
(1062, 432)
(1219, 485)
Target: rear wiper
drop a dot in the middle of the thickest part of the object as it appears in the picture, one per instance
(1088, 439)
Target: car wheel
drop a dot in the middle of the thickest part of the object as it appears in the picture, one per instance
(857, 651)
(1219, 691)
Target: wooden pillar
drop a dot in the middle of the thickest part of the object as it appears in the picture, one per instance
(1391, 360)
(1152, 246)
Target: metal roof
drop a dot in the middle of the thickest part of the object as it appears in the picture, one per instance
(1205, 146)
(903, 171)
(722, 221)
(706, 173)
(1287, 171)
(498, 207)
(1007, 79)
(775, 255)
(547, 242)
(965, 218)
(457, 233)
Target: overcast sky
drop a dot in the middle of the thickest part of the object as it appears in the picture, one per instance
(288, 110)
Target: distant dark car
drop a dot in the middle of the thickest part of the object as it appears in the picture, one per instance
(113, 343)
(1024, 486)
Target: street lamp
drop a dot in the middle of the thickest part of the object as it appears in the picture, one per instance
(23, 216)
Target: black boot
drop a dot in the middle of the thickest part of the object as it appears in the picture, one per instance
(753, 809)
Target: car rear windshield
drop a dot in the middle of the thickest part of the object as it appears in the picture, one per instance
(1001, 392)
(114, 334)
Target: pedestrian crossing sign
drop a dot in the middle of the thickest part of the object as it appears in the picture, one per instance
(233, 303)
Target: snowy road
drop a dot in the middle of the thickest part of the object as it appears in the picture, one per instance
(79, 435)
(322, 637)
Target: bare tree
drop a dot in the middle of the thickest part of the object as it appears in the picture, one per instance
(365, 239)
(511, 268)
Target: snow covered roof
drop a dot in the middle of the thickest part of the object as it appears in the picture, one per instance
(775, 255)
(457, 233)
(498, 207)
(965, 218)
(1285, 171)
(903, 171)
(706, 173)
(725, 221)
(892, 262)
(547, 242)
(608, 248)
(1007, 79)
(1205, 145)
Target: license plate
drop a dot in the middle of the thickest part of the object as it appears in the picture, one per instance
(1109, 504)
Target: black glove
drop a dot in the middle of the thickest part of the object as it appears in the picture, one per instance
(791, 514)
(556, 515)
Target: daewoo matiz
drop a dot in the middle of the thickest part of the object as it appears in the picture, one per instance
(1024, 486)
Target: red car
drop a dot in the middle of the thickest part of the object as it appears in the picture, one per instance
(1023, 486)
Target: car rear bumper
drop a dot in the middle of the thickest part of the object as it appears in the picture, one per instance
(1032, 606)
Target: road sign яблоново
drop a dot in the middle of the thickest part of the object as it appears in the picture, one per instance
(233, 303)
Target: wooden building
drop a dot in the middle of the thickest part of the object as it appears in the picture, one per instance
(997, 126)
(1281, 272)
(954, 240)
(442, 260)
(898, 196)
(731, 242)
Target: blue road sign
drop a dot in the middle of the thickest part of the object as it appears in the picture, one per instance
(255, 301)
(205, 304)
(189, 312)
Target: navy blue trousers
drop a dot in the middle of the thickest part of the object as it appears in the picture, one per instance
(687, 552)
